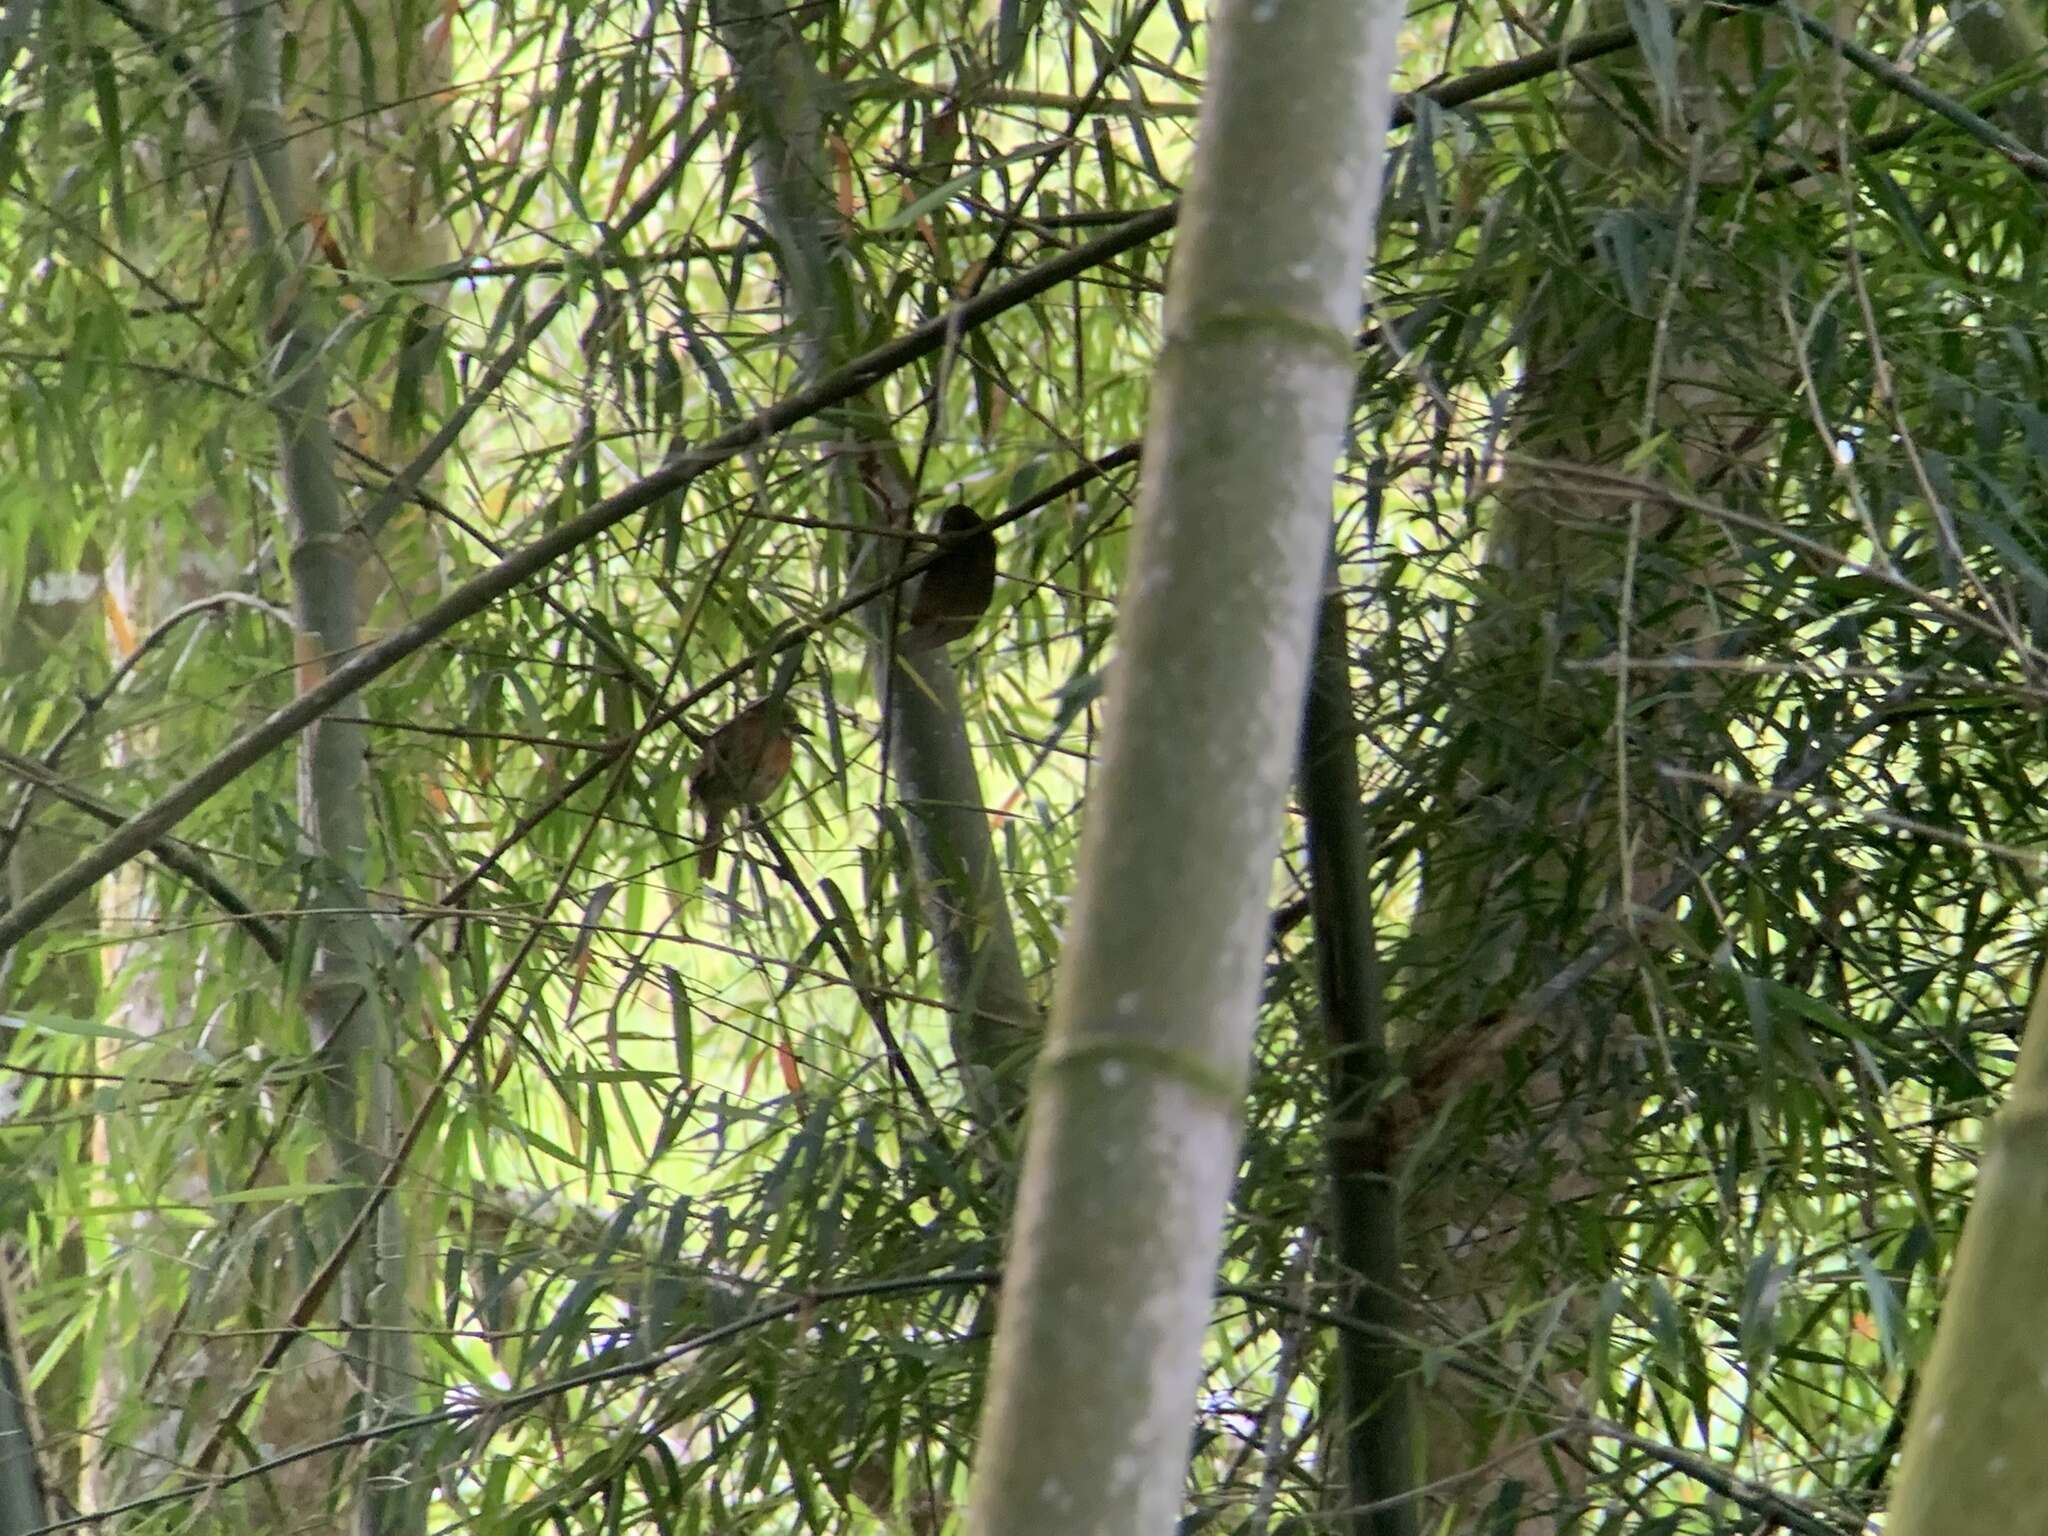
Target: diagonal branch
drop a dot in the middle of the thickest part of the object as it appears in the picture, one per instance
(174, 856)
(529, 560)
(1890, 75)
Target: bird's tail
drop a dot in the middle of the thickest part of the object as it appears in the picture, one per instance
(707, 847)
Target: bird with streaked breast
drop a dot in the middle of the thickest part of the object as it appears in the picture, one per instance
(743, 763)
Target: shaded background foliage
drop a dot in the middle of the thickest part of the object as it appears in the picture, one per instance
(1716, 1188)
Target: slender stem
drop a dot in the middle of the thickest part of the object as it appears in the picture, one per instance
(1374, 1425)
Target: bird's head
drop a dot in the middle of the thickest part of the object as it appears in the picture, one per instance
(784, 716)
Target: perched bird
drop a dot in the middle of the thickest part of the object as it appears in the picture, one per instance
(743, 763)
(953, 592)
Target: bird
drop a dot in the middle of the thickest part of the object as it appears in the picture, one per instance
(743, 763)
(953, 592)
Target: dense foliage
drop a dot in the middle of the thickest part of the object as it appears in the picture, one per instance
(1688, 532)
